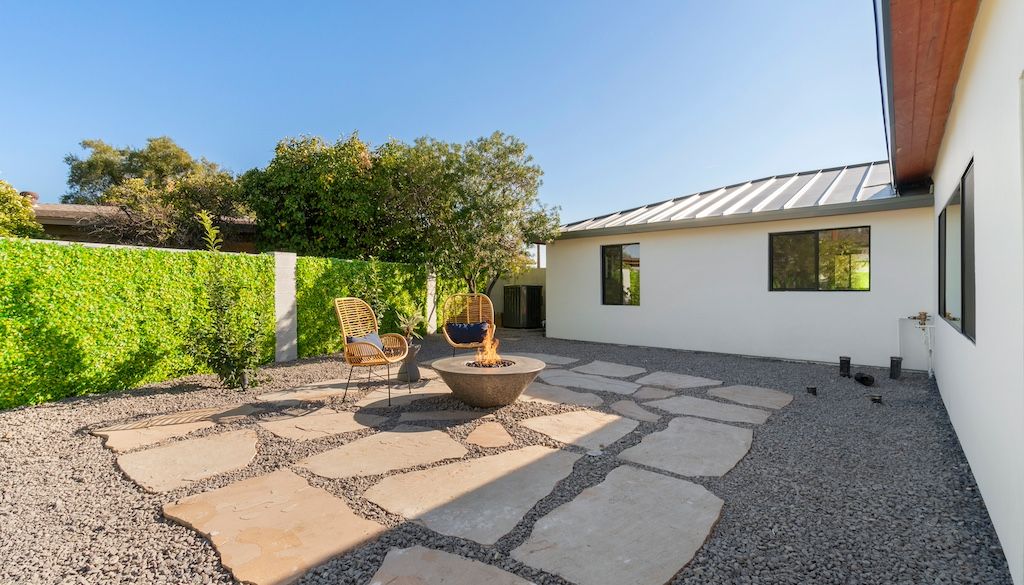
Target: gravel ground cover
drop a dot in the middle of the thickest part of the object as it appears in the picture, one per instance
(834, 489)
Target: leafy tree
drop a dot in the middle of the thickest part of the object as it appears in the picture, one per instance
(474, 207)
(158, 190)
(17, 219)
(497, 214)
(322, 199)
(470, 211)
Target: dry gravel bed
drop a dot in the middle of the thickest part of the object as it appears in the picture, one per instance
(834, 489)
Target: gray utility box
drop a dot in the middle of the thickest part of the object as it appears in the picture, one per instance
(524, 306)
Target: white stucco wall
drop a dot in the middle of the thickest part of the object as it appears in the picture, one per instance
(707, 289)
(982, 384)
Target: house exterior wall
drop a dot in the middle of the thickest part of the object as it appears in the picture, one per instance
(707, 289)
(982, 383)
(534, 276)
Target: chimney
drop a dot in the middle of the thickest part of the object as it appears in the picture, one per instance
(31, 196)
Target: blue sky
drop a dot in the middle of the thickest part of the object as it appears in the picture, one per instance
(620, 103)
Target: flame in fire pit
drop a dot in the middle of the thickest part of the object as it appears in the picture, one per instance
(487, 355)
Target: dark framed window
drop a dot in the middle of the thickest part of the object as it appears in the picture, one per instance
(835, 259)
(956, 257)
(620, 274)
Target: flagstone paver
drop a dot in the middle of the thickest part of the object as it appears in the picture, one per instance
(401, 447)
(169, 467)
(402, 396)
(489, 435)
(440, 415)
(424, 566)
(217, 414)
(648, 393)
(479, 499)
(694, 406)
(270, 530)
(584, 428)
(676, 381)
(547, 358)
(587, 381)
(600, 368)
(309, 392)
(545, 393)
(634, 411)
(753, 396)
(693, 447)
(635, 527)
(322, 422)
(119, 441)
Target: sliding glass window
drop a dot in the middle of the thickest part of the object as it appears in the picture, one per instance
(836, 259)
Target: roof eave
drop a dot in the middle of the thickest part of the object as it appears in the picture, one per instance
(836, 209)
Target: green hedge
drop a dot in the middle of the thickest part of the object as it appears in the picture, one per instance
(77, 320)
(387, 287)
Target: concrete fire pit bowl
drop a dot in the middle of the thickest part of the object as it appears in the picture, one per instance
(486, 387)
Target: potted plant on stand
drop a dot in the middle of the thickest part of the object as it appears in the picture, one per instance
(408, 323)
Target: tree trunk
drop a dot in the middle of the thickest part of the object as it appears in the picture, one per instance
(493, 282)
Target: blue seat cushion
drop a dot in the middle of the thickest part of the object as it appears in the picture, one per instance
(466, 332)
(371, 337)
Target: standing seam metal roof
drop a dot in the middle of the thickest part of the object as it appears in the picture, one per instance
(840, 185)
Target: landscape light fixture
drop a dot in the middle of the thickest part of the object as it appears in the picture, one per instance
(844, 366)
(812, 390)
(895, 367)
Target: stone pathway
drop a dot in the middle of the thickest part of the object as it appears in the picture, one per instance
(587, 381)
(648, 393)
(710, 409)
(676, 381)
(540, 392)
(162, 469)
(440, 415)
(120, 441)
(547, 358)
(423, 566)
(402, 447)
(489, 435)
(634, 411)
(478, 499)
(753, 396)
(270, 530)
(692, 447)
(600, 368)
(323, 422)
(634, 527)
(583, 428)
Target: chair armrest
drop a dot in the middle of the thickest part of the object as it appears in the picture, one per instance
(395, 344)
(360, 352)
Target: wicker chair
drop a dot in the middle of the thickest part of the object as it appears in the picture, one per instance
(357, 320)
(467, 308)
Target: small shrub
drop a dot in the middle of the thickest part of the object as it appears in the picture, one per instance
(226, 337)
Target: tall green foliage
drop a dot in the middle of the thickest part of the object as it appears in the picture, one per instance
(389, 288)
(77, 320)
(158, 188)
(227, 337)
(470, 211)
(321, 199)
(17, 219)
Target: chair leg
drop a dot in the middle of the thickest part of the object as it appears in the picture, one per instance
(389, 383)
(347, 382)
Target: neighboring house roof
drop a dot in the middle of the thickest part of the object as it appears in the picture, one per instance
(73, 214)
(835, 191)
